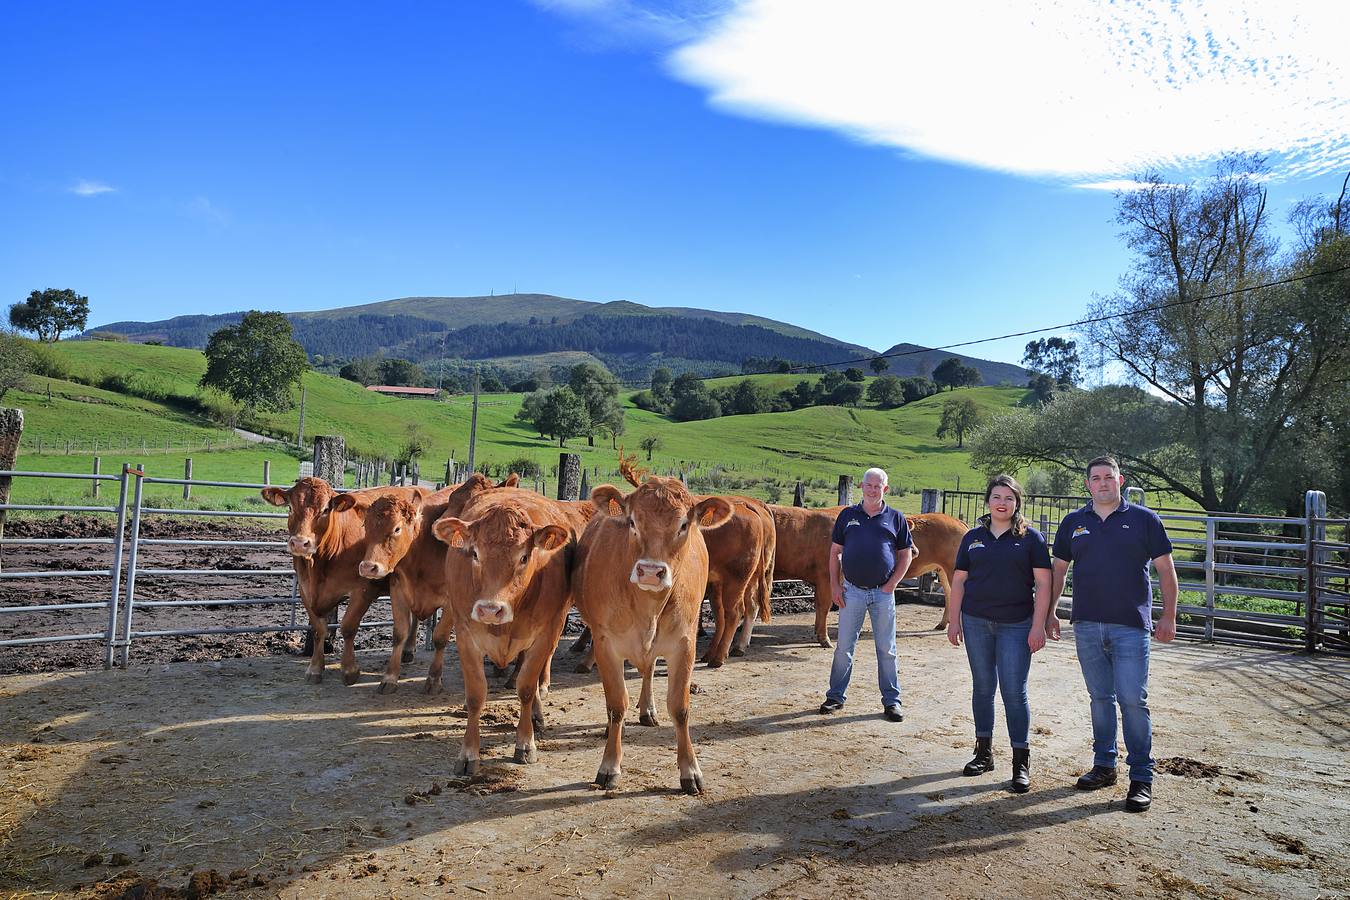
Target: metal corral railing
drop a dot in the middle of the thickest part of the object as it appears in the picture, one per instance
(113, 572)
(1227, 558)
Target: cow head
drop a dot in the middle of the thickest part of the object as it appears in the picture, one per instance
(391, 525)
(660, 516)
(307, 502)
(504, 550)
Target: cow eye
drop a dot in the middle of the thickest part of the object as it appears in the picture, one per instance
(473, 552)
(524, 557)
(398, 530)
(684, 526)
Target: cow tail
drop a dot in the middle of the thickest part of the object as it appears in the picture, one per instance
(766, 591)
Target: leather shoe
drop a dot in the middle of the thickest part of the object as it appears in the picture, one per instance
(894, 713)
(830, 706)
(1140, 797)
(1098, 777)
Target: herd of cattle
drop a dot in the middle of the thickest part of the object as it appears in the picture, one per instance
(504, 565)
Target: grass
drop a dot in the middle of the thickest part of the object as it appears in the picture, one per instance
(759, 454)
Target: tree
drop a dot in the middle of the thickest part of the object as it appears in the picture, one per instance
(403, 372)
(50, 313)
(1244, 368)
(1042, 388)
(613, 423)
(847, 394)
(879, 365)
(958, 417)
(918, 387)
(696, 405)
(364, 370)
(948, 373)
(256, 362)
(830, 381)
(599, 390)
(491, 384)
(747, 398)
(661, 381)
(853, 373)
(886, 391)
(16, 361)
(650, 443)
(1054, 356)
(532, 411)
(564, 415)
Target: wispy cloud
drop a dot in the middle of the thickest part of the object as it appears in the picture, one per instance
(86, 188)
(625, 22)
(201, 207)
(1088, 91)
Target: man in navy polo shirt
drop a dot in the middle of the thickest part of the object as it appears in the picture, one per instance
(872, 546)
(1110, 543)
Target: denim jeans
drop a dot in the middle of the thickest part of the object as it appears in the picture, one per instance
(1114, 660)
(999, 658)
(859, 602)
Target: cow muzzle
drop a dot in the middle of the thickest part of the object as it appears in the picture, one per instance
(371, 570)
(301, 546)
(492, 612)
(650, 575)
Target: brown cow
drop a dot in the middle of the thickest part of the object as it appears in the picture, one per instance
(639, 579)
(326, 548)
(506, 568)
(804, 552)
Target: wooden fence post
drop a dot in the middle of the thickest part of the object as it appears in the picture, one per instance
(187, 474)
(845, 490)
(799, 495)
(330, 458)
(931, 501)
(95, 484)
(267, 471)
(569, 476)
(11, 429)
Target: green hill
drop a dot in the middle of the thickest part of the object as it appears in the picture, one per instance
(759, 454)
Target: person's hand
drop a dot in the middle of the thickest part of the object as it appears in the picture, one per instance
(1167, 629)
(1052, 626)
(889, 587)
(1036, 637)
(838, 596)
(954, 633)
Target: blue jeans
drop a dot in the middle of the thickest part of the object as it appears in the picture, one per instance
(999, 658)
(858, 603)
(1114, 660)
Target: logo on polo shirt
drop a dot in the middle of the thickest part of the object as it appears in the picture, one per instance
(1080, 530)
(1123, 525)
(851, 523)
(976, 545)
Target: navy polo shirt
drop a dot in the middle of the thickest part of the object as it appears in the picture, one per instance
(870, 543)
(1000, 585)
(1110, 563)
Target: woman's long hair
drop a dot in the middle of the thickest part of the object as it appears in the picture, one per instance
(1019, 521)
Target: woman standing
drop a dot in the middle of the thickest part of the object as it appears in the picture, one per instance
(1000, 605)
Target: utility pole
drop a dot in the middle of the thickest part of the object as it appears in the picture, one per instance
(473, 421)
(300, 432)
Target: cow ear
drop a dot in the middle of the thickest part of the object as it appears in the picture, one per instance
(608, 500)
(276, 496)
(551, 537)
(510, 481)
(342, 503)
(711, 512)
(451, 531)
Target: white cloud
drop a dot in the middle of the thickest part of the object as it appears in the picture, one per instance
(636, 21)
(1083, 91)
(86, 188)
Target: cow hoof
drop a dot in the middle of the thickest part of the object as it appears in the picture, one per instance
(466, 767)
(387, 687)
(941, 626)
(737, 651)
(607, 780)
(714, 663)
(648, 719)
(526, 755)
(409, 655)
(581, 668)
(825, 642)
(313, 677)
(433, 686)
(351, 678)
(692, 786)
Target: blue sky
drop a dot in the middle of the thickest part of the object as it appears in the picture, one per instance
(877, 171)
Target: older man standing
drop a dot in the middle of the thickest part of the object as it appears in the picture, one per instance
(872, 547)
(1110, 543)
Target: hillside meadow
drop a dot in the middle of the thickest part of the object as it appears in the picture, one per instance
(761, 454)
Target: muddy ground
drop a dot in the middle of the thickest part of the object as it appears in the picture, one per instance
(237, 777)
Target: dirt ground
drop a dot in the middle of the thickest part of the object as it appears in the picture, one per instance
(237, 777)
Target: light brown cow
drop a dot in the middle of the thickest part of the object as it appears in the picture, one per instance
(326, 547)
(506, 561)
(639, 579)
(804, 552)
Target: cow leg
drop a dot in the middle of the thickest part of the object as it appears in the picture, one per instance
(475, 695)
(616, 704)
(439, 638)
(402, 617)
(318, 629)
(736, 611)
(716, 654)
(679, 673)
(515, 671)
(587, 662)
(946, 600)
(823, 603)
(410, 648)
(582, 642)
(647, 706)
(328, 632)
(747, 628)
(529, 666)
(357, 604)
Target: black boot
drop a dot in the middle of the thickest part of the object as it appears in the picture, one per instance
(1021, 780)
(984, 757)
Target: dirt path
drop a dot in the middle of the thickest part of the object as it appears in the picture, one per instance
(295, 790)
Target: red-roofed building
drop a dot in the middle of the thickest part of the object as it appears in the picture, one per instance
(396, 390)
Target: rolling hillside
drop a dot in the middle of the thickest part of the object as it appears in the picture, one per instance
(751, 452)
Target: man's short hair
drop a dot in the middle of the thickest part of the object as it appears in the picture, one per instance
(1102, 461)
(880, 473)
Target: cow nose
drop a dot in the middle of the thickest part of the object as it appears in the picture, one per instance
(491, 612)
(301, 546)
(370, 569)
(649, 574)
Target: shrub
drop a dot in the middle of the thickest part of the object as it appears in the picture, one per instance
(48, 362)
(525, 467)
